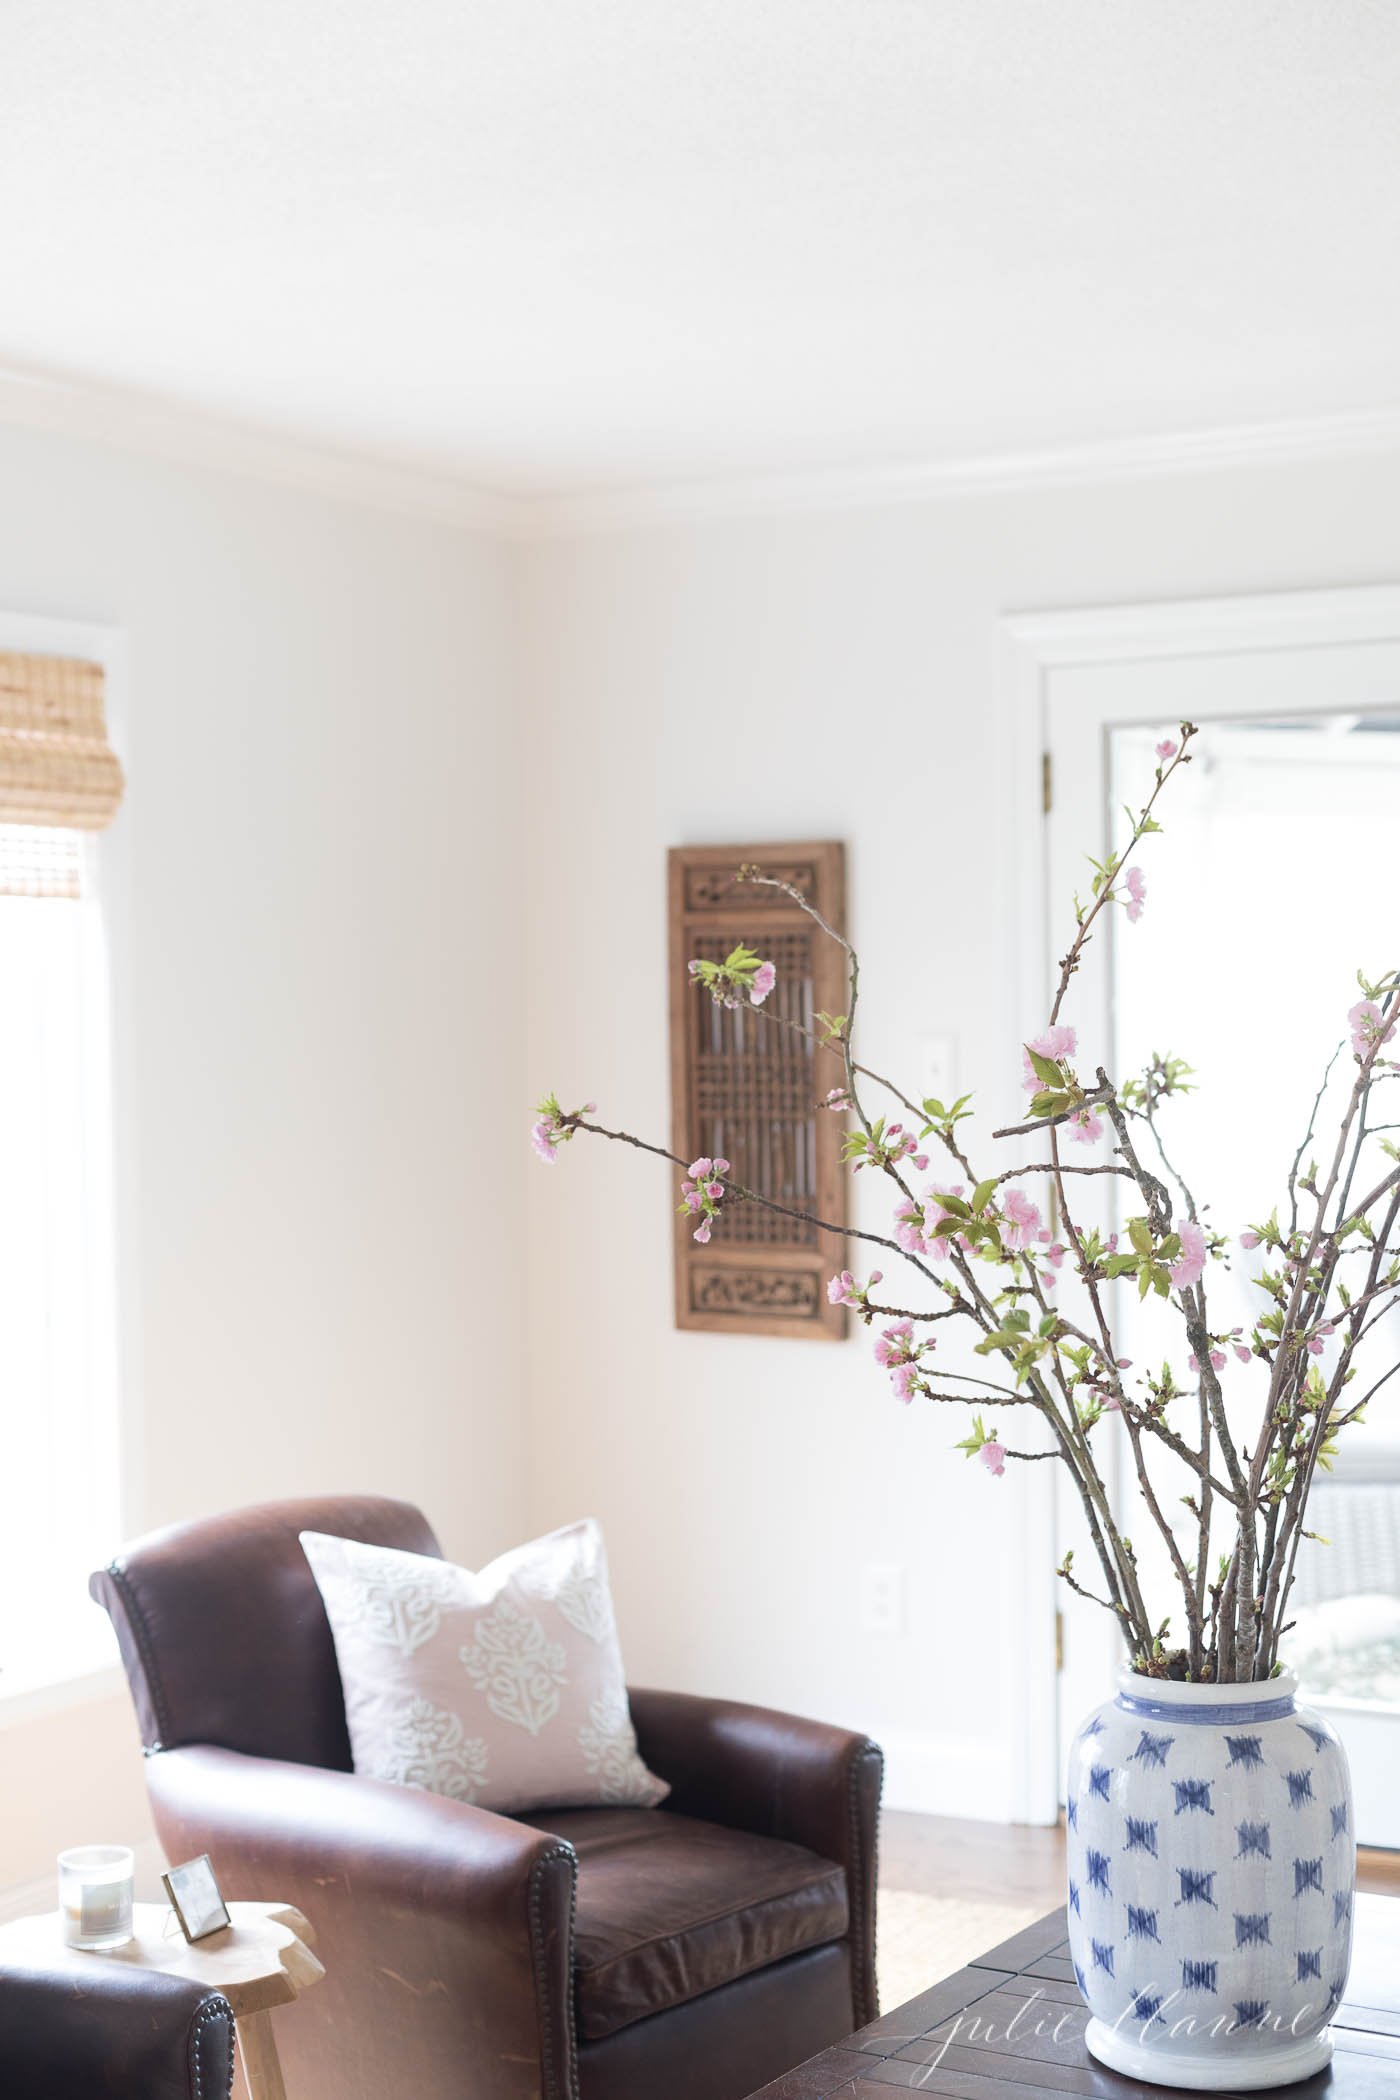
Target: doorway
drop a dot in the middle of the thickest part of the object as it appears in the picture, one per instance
(1274, 880)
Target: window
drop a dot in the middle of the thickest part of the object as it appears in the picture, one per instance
(59, 1459)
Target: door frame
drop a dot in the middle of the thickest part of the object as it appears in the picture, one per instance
(1032, 647)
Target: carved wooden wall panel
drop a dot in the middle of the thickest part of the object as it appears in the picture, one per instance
(746, 1087)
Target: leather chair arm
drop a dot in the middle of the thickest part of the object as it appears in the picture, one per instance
(113, 2033)
(758, 1770)
(778, 1776)
(445, 1930)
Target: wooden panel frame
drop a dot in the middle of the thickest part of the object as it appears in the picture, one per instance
(774, 1284)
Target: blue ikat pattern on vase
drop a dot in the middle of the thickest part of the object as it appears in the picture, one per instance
(1211, 1867)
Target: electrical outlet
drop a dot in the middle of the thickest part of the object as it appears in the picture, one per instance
(882, 1597)
(938, 1068)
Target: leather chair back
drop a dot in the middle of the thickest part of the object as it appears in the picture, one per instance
(223, 1633)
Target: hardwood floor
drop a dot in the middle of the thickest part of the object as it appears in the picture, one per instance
(1016, 1862)
(982, 1862)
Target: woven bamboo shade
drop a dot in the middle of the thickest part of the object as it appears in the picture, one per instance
(57, 769)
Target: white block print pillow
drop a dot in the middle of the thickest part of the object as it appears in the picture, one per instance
(504, 1688)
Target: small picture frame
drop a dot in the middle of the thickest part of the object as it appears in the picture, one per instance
(195, 1898)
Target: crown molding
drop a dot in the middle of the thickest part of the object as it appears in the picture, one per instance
(131, 421)
(1348, 434)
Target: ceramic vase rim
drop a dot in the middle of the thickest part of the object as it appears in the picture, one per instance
(1172, 1691)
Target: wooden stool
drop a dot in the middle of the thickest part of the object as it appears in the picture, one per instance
(260, 1961)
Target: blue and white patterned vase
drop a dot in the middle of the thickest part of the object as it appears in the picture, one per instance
(1211, 1872)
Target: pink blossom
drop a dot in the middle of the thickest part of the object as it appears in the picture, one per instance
(1108, 1401)
(700, 1169)
(1249, 1240)
(941, 1244)
(714, 1190)
(1317, 1337)
(1023, 1218)
(545, 1142)
(838, 1098)
(1242, 1353)
(901, 1144)
(1367, 1024)
(1135, 883)
(993, 1457)
(764, 979)
(893, 1346)
(844, 1290)
(1058, 1042)
(721, 1166)
(1166, 749)
(1191, 1261)
(1086, 1126)
(908, 1228)
(702, 1232)
(902, 1379)
(1217, 1357)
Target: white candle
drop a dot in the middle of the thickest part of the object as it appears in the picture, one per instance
(94, 1895)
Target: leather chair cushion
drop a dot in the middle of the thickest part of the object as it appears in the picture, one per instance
(669, 1907)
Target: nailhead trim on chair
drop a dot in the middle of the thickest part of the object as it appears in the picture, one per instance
(553, 2090)
(216, 2008)
(865, 1992)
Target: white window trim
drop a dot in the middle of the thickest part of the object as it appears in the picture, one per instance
(82, 1672)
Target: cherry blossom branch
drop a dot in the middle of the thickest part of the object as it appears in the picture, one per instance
(1003, 1287)
(1099, 1098)
(1107, 891)
(737, 1192)
(1049, 1166)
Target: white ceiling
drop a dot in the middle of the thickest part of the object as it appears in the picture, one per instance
(564, 245)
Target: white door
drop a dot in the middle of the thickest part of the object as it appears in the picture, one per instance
(1276, 877)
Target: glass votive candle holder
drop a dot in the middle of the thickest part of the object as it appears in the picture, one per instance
(94, 1895)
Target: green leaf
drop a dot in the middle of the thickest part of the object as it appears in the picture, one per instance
(1140, 1234)
(1050, 1104)
(1046, 1068)
(983, 1193)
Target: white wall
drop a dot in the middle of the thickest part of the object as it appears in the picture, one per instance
(336, 1035)
(317, 982)
(827, 674)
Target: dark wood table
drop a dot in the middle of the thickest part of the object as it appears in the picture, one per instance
(910, 2049)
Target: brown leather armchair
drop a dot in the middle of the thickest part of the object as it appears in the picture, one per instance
(690, 1952)
(118, 2033)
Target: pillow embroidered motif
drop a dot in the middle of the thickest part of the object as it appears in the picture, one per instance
(503, 1688)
